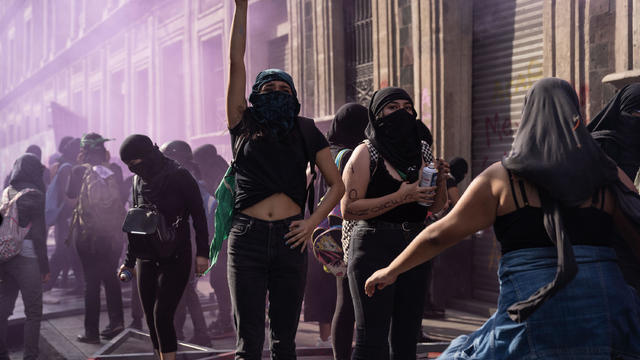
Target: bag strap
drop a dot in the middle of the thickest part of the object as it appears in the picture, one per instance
(339, 157)
(134, 195)
(17, 196)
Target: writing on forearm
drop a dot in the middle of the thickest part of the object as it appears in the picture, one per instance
(358, 213)
(375, 210)
(386, 205)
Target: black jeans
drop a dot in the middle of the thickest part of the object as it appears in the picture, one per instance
(343, 320)
(161, 285)
(260, 261)
(100, 268)
(392, 315)
(21, 274)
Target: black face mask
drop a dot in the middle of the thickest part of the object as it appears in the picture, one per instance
(276, 111)
(141, 170)
(396, 137)
(150, 166)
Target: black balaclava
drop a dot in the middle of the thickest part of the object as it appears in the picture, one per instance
(618, 132)
(70, 151)
(35, 150)
(347, 127)
(152, 169)
(458, 169)
(274, 112)
(27, 173)
(554, 151)
(395, 136)
(93, 150)
(141, 147)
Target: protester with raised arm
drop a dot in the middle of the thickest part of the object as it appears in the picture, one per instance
(269, 235)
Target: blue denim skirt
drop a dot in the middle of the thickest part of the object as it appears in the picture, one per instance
(596, 316)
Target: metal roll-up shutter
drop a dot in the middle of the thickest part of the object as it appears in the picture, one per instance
(507, 60)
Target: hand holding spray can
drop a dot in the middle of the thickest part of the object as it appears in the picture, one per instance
(126, 275)
(429, 177)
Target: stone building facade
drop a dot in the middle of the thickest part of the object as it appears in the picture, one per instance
(159, 67)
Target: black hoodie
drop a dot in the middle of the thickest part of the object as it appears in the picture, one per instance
(27, 173)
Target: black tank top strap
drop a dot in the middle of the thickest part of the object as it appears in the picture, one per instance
(523, 192)
(602, 196)
(513, 190)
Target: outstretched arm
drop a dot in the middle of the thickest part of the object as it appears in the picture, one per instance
(236, 102)
(476, 210)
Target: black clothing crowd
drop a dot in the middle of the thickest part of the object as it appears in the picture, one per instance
(83, 196)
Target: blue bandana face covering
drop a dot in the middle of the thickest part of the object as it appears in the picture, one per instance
(276, 111)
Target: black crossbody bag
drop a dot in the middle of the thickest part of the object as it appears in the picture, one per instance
(145, 219)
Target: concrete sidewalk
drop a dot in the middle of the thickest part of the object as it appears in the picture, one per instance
(63, 320)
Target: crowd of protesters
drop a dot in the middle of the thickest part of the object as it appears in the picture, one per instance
(562, 205)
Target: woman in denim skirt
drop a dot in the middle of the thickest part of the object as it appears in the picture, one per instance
(382, 181)
(554, 202)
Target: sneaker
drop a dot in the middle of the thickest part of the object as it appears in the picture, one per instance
(324, 343)
(220, 332)
(111, 331)
(88, 339)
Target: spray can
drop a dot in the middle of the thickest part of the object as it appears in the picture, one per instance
(429, 177)
(126, 275)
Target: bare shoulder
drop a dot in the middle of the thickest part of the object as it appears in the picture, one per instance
(360, 155)
(496, 171)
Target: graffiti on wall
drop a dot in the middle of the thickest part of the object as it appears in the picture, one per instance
(518, 83)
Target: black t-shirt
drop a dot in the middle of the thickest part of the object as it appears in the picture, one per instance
(267, 166)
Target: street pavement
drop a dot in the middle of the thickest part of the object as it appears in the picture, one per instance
(64, 316)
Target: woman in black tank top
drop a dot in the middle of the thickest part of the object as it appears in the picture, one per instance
(382, 180)
(562, 294)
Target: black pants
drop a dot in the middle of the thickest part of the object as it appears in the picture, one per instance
(64, 257)
(100, 268)
(161, 285)
(343, 320)
(260, 261)
(392, 315)
(220, 285)
(136, 304)
(191, 302)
